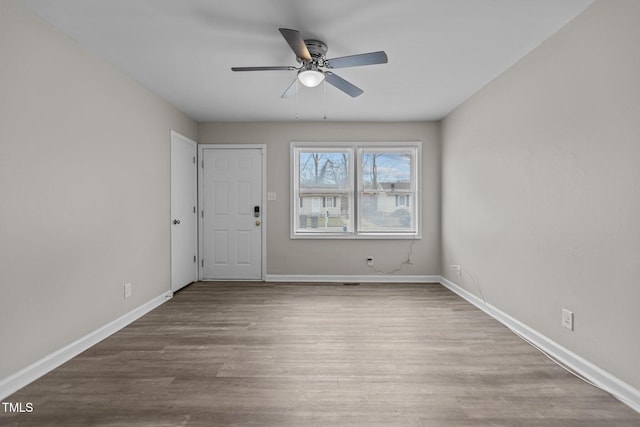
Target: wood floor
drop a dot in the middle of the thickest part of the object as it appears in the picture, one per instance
(255, 354)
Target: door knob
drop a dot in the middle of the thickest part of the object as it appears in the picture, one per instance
(257, 223)
(176, 221)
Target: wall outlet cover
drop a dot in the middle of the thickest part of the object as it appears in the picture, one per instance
(567, 319)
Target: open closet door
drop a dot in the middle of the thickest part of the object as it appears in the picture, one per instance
(183, 222)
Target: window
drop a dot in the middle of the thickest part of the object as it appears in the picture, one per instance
(329, 202)
(355, 190)
(402, 200)
(323, 184)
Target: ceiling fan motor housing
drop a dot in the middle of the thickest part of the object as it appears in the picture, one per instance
(317, 49)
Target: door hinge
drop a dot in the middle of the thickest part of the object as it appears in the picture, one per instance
(194, 160)
(202, 214)
(194, 259)
(202, 263)
(202, 164)
(194, 209)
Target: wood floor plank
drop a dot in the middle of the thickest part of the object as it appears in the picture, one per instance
(256, 354)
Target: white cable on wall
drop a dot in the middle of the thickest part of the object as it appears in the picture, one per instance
(395, 270)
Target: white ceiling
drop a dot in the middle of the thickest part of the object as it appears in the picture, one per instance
(440, 51)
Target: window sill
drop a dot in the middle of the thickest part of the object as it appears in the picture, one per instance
(349, 236)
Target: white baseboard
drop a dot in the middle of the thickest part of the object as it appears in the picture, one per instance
(603, 379)
(15, 382)
(351, 278)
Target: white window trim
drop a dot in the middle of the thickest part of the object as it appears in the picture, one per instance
(353, 174)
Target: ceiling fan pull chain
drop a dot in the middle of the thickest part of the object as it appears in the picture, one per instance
(296, 82)
(324, 98)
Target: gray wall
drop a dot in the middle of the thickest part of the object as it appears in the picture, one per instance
(338, 257)
(541, 188)
(84, 190)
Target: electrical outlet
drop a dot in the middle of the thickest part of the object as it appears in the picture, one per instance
(127, 290)
(567, 319)
(370, 261)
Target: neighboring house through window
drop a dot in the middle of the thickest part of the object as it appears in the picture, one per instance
(355, 189)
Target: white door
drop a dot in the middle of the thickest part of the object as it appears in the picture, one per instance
(231, 197)
(184, 224)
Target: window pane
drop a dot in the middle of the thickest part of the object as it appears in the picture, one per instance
(380, 213)
(387, 190)
(386, 170)
(314, 218)
(323, 169)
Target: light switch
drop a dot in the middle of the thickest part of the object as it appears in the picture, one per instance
(271, 195)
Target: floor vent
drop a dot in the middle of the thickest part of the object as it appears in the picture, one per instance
(351, 284)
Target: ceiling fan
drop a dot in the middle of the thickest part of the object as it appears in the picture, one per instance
(314, 66)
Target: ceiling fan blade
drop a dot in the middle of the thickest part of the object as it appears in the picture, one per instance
(296, 42)
(280, 68)
(342, 84)
(291, 90)
(371, 58)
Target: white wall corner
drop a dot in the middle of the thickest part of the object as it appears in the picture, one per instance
(622, 391)
(20, 379)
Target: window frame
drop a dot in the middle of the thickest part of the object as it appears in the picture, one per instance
(355, 190)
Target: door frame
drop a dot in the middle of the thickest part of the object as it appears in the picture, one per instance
(175, 136)
(263, 196)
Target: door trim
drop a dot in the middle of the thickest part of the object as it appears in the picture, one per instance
(176, 136)
(263, 195)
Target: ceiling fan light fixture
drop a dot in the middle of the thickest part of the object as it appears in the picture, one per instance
(311, 77)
